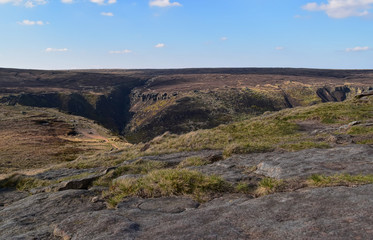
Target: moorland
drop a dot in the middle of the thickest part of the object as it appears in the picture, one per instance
(245, 153)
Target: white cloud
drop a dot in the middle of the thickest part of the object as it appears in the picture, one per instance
(279, 48)
(25, 3)
(103, 2)
(357, 49)
(31, 23)
(33, 3)
(160, 45)
(56, 50)
(125, 51)
(107, 14)
(341, 8)
(224, 38)
(164, 3)
(67, 1)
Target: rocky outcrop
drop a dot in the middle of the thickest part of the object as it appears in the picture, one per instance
(33, 217)
(334, 212)
(305, 213)
(351, 159)
(336, 94)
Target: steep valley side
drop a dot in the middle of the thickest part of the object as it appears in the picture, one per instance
(142, 105)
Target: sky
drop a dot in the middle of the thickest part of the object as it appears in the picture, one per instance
(128, 34)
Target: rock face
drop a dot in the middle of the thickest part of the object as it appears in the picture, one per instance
(325, 213)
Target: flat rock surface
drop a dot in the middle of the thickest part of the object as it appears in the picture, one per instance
(323, 213)
(319, 213)
(352, 159)
(326, 213)
(175, 158)
(33, 217)
(8, 196)
(64, 172)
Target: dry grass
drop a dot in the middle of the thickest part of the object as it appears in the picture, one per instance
(167, 182)
(32, 138)
(267, 186)
(339, 179)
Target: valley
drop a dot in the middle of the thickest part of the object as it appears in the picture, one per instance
(251, 153)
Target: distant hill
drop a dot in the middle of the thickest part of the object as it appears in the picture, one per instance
(142, 104)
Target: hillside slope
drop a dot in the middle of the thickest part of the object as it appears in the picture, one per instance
(142, 104)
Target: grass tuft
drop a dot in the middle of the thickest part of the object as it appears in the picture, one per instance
(267, 186)
(23, 183)
(193, 161)
(339, 179)
(168, 182)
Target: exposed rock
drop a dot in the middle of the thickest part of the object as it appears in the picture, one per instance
(347, 126)
(33, 217)
(81, 183)
(8, 196)
(64, 172)
(160, 205)
(176, 158)
(364, 94)
(326, 213)
(340, 139)
(336, 212)
(353, 159)
(229, 172)
(106, 224)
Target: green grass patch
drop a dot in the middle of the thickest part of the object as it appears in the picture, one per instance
(23, 183)
(244, 137)
(365, 141)
(360, 130)
(138, 167)
(339, 179)
(243, 187)
(267, 186)
(193, 161)
(330, 113)
(168, 182)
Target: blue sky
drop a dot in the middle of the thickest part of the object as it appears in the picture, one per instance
(71, 34)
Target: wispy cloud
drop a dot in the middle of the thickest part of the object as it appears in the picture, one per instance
(279, 48)
(164, 3)
(125, 51)
(67, 1)
(25, 3)
(357, 49)
(107, 14)
(56, 50)
(341, 8)
(160, 45)
(103, 2)
(31, 23)
(224, 38)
